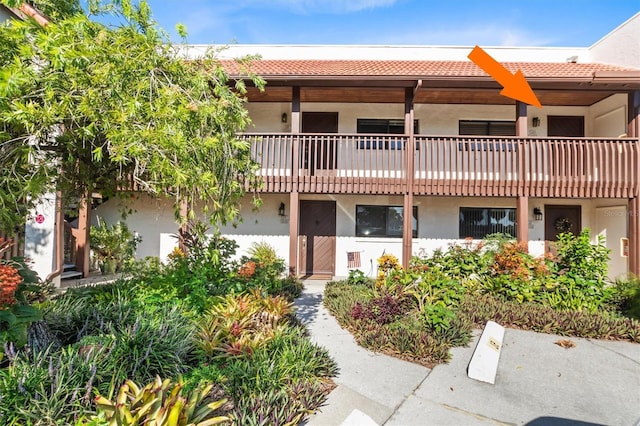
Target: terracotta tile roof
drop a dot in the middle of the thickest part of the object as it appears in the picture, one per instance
(417, 69)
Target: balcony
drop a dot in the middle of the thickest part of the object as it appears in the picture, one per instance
(447, 165)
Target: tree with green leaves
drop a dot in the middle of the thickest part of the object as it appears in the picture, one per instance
(87, 107)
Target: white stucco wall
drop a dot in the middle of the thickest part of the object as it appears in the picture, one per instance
(403, 52)
(148, 216)
(266, 117)
(433, 119)
(438, 225)
(621, 46)
(40, 238)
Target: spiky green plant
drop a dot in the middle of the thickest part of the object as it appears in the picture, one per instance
(263, 253)
(160, 403)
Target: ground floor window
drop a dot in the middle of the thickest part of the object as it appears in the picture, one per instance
(478, 222)
(382, 221)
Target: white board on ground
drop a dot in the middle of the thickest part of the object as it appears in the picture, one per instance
(358, 418)
(484, 361)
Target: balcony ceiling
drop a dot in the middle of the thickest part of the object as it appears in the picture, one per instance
(424, 96)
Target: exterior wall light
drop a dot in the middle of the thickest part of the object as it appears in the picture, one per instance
(537, 213)
(283, 117)
(281, 210)
(535, 121)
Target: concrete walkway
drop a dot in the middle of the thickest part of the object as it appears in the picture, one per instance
(538, 382)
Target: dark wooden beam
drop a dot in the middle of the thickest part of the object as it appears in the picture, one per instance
(477, 96)
(521, 119)
(633, 121)
(296, 117)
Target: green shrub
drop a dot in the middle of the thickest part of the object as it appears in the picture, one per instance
(281, 382)
(261, 269)
(580, 274)
(339, 298)
(89, 311)
(17, 282)
(158, 345)
(52, 387)
(113, 246)
(478, 309)
(625, 297)
(357, 277)
(577, 256)
(516, 275)
(288, 287)
(460, 261)
(289, 358)
(144, 343)
(406, 336)
(205, 269)
(264, 254)
(280, 407)
(575, 293)
(436, 295)
(238, 325)
(204, 373)
(383, 309)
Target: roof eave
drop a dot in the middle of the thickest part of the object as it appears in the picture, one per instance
(603, 80)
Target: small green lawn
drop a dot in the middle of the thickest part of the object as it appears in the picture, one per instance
(421, 312)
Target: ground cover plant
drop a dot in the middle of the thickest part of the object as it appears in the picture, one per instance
(214, 346)
(420, 312)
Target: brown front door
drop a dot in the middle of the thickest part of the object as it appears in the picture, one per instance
(319, 152)
(317, 238)
(559, 219)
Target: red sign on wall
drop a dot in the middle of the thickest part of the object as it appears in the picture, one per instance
(40, 218)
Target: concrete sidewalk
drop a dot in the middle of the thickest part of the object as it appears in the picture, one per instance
(538, 382)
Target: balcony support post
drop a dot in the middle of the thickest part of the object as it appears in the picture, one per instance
(294, 195)
(521, 119)
(294, 219)
(407, 216)
(634, 236)
(522, 212)
(82, 234)
(184, 226)
(58, 260)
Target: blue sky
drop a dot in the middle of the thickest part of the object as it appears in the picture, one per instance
(577, 23)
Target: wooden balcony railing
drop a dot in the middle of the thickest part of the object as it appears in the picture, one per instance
(448, 165)
(16, 249)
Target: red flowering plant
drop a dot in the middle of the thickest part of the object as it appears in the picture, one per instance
(16, 279)
(247, 270)
(262, 268)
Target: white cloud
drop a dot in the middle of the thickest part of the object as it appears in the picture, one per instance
(339, 6)
(322, 6)
(488, 35)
